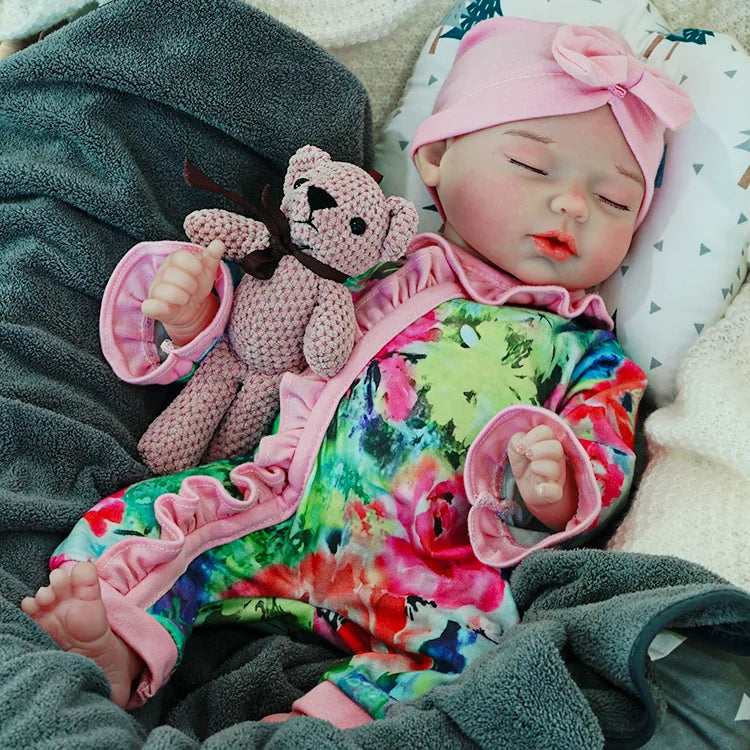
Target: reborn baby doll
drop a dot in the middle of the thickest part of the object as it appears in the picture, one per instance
(486, 410)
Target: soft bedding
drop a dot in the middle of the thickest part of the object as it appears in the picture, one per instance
(95, 121)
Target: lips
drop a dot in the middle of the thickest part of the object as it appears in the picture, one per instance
(559, 246)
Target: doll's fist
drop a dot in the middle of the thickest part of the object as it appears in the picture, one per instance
(538, 463)
(180, 294)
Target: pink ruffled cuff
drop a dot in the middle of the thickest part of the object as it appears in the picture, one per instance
(491, 539)
(127, 337)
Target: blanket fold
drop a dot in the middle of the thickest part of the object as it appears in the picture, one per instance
(95, 121)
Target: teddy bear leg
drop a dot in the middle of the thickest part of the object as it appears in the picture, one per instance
(177, 439)
(248, 419)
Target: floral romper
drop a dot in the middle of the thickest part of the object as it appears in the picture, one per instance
(381, 514)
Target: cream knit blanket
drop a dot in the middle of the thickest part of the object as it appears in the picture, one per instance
(694, 497)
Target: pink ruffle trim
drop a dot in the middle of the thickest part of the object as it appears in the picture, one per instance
(127, 337)
(490, 286)
(200, 516)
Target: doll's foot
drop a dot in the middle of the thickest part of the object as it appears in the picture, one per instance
(9, 47)
(72, 612)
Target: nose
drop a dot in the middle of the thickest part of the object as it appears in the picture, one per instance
(318, 198)
(572, 202)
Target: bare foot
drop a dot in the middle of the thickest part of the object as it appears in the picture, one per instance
(11, 46)
(71, 610)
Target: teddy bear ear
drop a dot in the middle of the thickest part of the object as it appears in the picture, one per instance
(403, 227)
(303, 160)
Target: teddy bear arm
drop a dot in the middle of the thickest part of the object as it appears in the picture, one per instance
(329, 336)
(239, 234)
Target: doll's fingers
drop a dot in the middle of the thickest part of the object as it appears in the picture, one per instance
(549, 492)
(546, 469)
(170, 293)
(518, 464)
(516, 444)
(211, 257)
(181, 279)
(215, 250)
(156, 308)
(537, 434)
(551, 449)
(516, 458)
(184, 260)
(520, 442)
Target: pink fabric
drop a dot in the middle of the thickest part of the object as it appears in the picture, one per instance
(326, 701)
(146, 637)
(491, 539)
(127, 337)
(200, 516)
(510, 69)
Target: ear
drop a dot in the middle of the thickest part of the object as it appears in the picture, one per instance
(427, 161)
(303, 160)
(403, 227)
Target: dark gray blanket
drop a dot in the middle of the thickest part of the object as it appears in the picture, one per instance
(95, 122)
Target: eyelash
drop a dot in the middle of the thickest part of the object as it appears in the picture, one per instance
(526, 166)
(618, 206)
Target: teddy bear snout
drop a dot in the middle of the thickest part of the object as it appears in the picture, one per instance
(319, 198)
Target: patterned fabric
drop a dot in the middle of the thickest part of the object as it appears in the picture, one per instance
(377, 558)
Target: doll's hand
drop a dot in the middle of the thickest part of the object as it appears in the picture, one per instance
(180, 294)
(538, 463)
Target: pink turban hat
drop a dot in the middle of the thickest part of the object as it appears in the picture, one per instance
(510, 69)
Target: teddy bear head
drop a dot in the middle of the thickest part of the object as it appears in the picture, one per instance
(338, 214)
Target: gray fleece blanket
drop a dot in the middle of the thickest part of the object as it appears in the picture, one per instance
(95, 122)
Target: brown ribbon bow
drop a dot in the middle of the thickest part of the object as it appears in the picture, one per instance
(262, 264)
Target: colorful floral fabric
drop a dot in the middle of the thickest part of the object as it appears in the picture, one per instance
(377, 558)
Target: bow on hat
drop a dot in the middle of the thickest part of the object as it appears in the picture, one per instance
(601, 58)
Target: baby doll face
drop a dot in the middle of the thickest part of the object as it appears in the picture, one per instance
(551, 200)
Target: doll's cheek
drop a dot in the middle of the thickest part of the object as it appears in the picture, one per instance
(613, 245)
(482, 199)
(618, 239)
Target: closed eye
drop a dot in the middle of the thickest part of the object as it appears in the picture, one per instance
(618, 206)
(527, 166)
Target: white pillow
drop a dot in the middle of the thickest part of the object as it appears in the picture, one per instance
(688, 258)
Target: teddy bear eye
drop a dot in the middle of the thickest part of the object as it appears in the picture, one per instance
(357, 225)
(301, 181)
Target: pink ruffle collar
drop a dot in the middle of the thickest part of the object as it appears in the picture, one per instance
(486, 284)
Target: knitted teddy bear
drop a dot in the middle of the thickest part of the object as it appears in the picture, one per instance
(290, 309)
